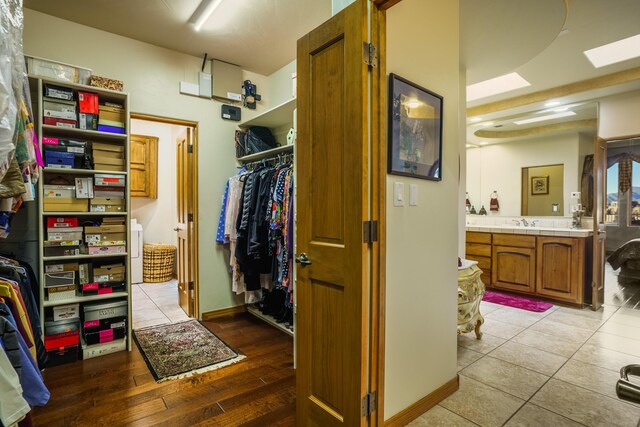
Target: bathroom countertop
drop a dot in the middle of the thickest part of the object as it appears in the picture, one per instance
(541, 231)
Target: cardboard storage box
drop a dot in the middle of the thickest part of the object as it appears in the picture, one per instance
(60, 356)
(84, 188)
(64, 278)
(102, 204)
(88, 102)
(59, 191)
(106, 180)
(106, 83)
(58, 222)
(89, 326)
(95, 350)
(59, 108)
(88, 121)
(96, 288)
(57, 159)
(63, 123)
(61, 293)
(65, 235)
(113, 114)
(60, 267)
(64, 312)
(61, 333)
(102, 146)
(109, 192)
(106, 335)
(55, 70)
(109, 166)
(64, 145)
(58, 92)
(61, 248)
(107, 250)
(109, 273)
(65, 205)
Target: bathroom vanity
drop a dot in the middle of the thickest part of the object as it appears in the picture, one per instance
(554, 263)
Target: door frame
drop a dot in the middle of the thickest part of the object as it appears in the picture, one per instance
(194, 179)
(597, 268)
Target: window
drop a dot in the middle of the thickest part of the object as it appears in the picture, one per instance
(634, 217)
(611, 215)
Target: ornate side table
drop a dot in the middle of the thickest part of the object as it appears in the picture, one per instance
(470, 293)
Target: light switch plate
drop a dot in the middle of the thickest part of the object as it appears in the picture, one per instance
(398, 194)
(413, 195)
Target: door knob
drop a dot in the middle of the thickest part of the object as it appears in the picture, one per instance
(303, 259)
(176, 229)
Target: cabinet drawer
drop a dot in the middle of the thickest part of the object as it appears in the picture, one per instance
(515, 241)
(483, 262)
(478, 237)
(478, 249)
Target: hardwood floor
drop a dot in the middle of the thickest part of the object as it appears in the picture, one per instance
(118, 389)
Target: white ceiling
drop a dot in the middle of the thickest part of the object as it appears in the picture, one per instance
(259, 35)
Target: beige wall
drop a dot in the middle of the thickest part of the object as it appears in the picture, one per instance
(499, 167)
(159, 216)
(618, 115)
(422, 241)
(151, 75)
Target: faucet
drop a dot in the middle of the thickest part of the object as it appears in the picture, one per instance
(524, 222)
(517, 222)
(533, 223)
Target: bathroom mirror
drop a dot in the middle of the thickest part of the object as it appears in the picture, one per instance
(542, 190)
(506, 149)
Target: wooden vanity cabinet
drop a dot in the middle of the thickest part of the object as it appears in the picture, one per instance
(552, 267)
(514, 263)
(560, 268)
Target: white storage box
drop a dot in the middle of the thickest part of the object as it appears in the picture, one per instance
(64, 278)
(61, 293)
(55, 70)
(63, 312)
(59, 191)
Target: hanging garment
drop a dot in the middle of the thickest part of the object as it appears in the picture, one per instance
(220, 235)
(13, 407)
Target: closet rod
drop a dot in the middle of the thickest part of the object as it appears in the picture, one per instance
(280, 158)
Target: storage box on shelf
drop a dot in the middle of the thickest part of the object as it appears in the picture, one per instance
(83, 200)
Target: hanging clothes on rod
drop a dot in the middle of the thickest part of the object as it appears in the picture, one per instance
(258, 212)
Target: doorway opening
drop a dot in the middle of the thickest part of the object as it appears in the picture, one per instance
(622, 221)
(164, 220)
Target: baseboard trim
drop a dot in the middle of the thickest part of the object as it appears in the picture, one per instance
(223, 312)
(412, 412)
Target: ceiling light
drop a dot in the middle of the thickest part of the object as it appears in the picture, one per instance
(560, 110)
(475, 119)
(203, 12)
(484, 143)
(543, 118)
(471, 146)
(612, 53)
(485, 124)
(502, 84)
(552, 103)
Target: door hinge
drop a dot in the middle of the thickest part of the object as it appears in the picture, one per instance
(190, 217)
(191, 286)
(370, 231)
(370, 54)
(190, 148)
(369, 403)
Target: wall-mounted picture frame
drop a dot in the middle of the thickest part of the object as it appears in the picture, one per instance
(539, 185)
(415, 130)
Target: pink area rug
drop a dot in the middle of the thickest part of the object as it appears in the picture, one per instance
(516, 302)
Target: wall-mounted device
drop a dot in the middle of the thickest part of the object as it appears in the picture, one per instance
(250, 95)
(576, 209)
(229, 112)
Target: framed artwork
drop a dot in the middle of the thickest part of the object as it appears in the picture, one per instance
(539, 185)
(415, 130)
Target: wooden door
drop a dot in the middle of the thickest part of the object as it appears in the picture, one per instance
(559, 270)
(143, 161)
(514, 268)
(185, 222)
(332, 203)
(599, 227)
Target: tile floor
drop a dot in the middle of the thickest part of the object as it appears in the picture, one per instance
(156, 303)
(557, 368)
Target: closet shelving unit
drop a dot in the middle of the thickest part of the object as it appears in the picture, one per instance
(279, 120)
(42, 130)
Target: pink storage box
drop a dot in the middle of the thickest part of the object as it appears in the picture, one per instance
(97, 250)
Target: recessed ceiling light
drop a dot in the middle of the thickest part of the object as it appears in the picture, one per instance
(484, 143)
(612, 53)
(475, 119)
(552, 103)
(203, 12)
(471, 146)
(485, 124)
(502, 84)
(560, 110)
(544, 118)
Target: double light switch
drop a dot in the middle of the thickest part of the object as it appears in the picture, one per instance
(398, 194)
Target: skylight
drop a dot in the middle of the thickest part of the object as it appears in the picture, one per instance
(615, 52)
(544, 118)
(502, 84)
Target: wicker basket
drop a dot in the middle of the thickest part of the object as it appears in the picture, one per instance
(158, 262)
